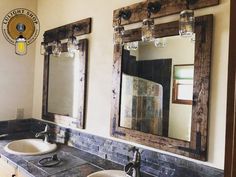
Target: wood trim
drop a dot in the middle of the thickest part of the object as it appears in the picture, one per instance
(204, 26)
(175, 95)
(175, 89)
(65, 31)
(66, 120)
(230, 144)
(169, 7)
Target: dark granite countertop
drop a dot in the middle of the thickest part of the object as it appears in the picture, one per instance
(75, 163)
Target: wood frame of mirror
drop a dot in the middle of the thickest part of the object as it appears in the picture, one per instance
(62, 33)
(200, 108)
(168, 7)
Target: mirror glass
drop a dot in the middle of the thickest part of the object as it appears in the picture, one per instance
(64, 92)
(157, 87)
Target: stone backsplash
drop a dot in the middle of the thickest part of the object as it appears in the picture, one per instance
(154, 163)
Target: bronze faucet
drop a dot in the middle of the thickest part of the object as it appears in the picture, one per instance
(44, 133)
(133, 168)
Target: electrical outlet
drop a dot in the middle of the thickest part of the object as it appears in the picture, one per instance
(20, 113)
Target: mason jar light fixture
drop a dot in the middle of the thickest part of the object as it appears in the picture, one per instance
(119, 30)
(20, 27)
(187, 20)
(147, 30)
(72, 43)
(44, 48)
(20, 45)
(118, 34)
(148, 23)
(56, 48)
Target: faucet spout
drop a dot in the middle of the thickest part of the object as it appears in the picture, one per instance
(44, 133)
(133, 168)
(129, 168)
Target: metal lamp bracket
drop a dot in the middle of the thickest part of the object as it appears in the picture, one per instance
(154, 7)
(125, 14)
(191, 2)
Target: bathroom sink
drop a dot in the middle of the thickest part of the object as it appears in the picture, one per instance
(108, 173)
(29, 147)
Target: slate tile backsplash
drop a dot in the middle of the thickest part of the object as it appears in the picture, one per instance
(154, 163)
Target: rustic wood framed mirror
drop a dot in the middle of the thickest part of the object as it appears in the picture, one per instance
(64, 84)
(143, 78)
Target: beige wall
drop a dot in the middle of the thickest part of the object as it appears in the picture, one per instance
(100, 64)
(16, 72)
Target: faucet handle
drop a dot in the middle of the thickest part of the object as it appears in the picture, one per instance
(132, 169)
(133, 149)
(46, 128)
(137, 154)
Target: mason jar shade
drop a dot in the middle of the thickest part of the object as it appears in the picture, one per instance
(147, 30)
(20, 46)
(118, 35)
(44, 48)
(56, 48)
(72, 45)
(186, 23)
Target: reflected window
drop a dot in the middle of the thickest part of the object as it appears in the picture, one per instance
(183, 84)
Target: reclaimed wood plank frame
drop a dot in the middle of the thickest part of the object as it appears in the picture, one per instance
(200, 108)
(168, 7)
(62, 33)
(65, 31)
(230, 137)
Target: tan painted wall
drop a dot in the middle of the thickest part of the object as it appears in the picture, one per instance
(16, 72)
(53, 13)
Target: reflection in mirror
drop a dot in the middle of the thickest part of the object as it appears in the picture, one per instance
(183, 84)
(63, 85)
(150, 79)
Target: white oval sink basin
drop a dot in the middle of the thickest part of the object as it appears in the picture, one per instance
(29, 147)
(108, 173)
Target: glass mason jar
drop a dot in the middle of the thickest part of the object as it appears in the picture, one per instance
(186, 23)
(72, 45)
(147, 30)
(56, 48)
(118, 35)
(44, 48)
(20, 46)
